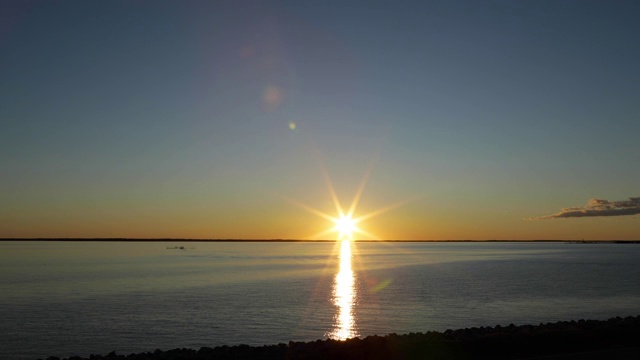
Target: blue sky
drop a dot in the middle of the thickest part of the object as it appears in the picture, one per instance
(199, 119)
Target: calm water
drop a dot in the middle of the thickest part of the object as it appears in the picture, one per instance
(75, 298)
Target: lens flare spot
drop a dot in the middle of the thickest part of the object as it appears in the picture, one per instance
(292, 125)
(272, 97)
(246, 52)
(381, 285)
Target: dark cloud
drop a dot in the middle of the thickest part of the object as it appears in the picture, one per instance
(598, 207)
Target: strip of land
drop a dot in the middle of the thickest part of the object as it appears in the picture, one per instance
(615, 338)
(297, 240)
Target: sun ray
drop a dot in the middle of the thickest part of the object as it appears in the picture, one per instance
(345, 224)
(366, 233)
(321, 234)
(332, 191)
(310, 209)
(361, 186)
(383, 210)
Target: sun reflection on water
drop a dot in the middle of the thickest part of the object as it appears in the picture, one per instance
(344, 295)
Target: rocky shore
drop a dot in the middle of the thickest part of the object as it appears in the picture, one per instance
(617, 338)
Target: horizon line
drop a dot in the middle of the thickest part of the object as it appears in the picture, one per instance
(108, 239)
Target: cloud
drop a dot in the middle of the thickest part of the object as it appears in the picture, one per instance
(598, 207)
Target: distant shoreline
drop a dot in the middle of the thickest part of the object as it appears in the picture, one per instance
(316, 241)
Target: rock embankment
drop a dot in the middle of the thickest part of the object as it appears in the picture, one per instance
(584, 339)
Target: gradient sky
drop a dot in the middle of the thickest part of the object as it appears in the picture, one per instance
(196, 119)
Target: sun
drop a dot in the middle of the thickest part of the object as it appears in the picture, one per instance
(345, 221)
(345, 227)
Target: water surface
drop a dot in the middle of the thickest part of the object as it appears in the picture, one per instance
(66, 298)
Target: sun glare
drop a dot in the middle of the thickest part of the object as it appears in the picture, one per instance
(344, 297)
(345, 221)
(345, 226)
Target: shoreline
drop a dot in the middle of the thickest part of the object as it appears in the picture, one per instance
(312, 241)
(584, 339)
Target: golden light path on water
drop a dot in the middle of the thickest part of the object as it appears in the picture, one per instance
(344, 297)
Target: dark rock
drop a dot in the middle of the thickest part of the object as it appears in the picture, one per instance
(551, 339)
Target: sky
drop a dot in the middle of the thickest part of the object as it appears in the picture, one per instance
(446, 120)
